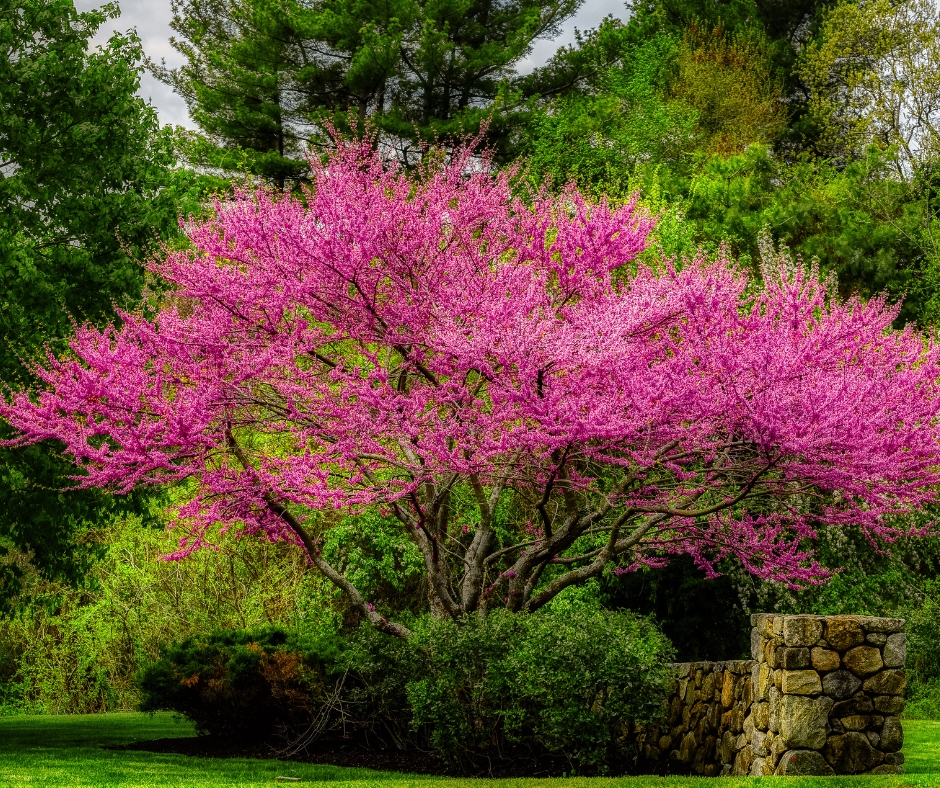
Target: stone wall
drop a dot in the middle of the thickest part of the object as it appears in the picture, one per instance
(821, 696)
(828, 692)
(704, 728)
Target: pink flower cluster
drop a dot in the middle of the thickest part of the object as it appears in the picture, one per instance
(387, 339)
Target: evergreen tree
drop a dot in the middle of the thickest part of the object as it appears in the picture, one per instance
(238, 78)
(269, 76)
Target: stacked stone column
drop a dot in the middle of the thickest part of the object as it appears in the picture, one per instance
(828, 692)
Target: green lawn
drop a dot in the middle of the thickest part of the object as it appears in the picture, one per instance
(67, 751)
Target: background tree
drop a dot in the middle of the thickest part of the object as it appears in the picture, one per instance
(728, 81)
(485, 374)
(662, 105)
(268, 77)
(788, 26)
(602, 138)
(458, 60)
(239, 79)
(873, 74)
(85, 191)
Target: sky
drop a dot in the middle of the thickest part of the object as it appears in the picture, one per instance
(152, 20)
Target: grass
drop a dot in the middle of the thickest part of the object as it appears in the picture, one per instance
(69, 751)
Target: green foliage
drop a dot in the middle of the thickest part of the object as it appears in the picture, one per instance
(69, 650)
(788, 27)
(728, 81)
(703, 618)
(599, 140)
(379, 560)
(555, 681)
(923, 654)
(708, 618)
(87, 189)
(236, 81)
(268, 78)
(857, 221)
(873, 78)
(243, 685)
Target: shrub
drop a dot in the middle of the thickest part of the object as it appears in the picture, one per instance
(923, 656)
(557, 682)
(244, 685)
(561, 682)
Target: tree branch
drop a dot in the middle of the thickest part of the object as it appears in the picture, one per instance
(375, 618)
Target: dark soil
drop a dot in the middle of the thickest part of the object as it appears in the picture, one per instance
(351, 753)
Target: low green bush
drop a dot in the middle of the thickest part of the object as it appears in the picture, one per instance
(557, 681)
(561, 683)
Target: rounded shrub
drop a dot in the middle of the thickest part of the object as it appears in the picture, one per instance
(243, 685)
(564, 682)
(561, 685)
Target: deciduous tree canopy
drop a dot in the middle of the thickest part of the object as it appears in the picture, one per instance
(84, 190)
(497, 376)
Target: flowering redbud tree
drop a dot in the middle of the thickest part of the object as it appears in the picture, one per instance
(502, 378)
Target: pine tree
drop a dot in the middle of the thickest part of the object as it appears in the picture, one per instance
(268, 77)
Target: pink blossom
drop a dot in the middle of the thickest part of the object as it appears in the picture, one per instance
(386, 341)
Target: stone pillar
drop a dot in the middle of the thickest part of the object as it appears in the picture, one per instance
(828, 692)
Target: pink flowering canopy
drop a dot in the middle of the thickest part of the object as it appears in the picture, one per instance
(502, 378)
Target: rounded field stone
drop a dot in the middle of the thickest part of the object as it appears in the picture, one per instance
(801, 630)
(860, 704)
(895, 651)
(770, 652)
(892, 735)
(888, 682)
(825, 660)
(795, 763)
(870, 721)
(855, 722)
(873, 624)
(800, 682)
(727, 690)
(844, 632)
(851, 753)
(889, 704)
(761, 712)
(840, 684)
(863, 660)
(887, 769)
(726, 748)
(795, 658)
(803, 721)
